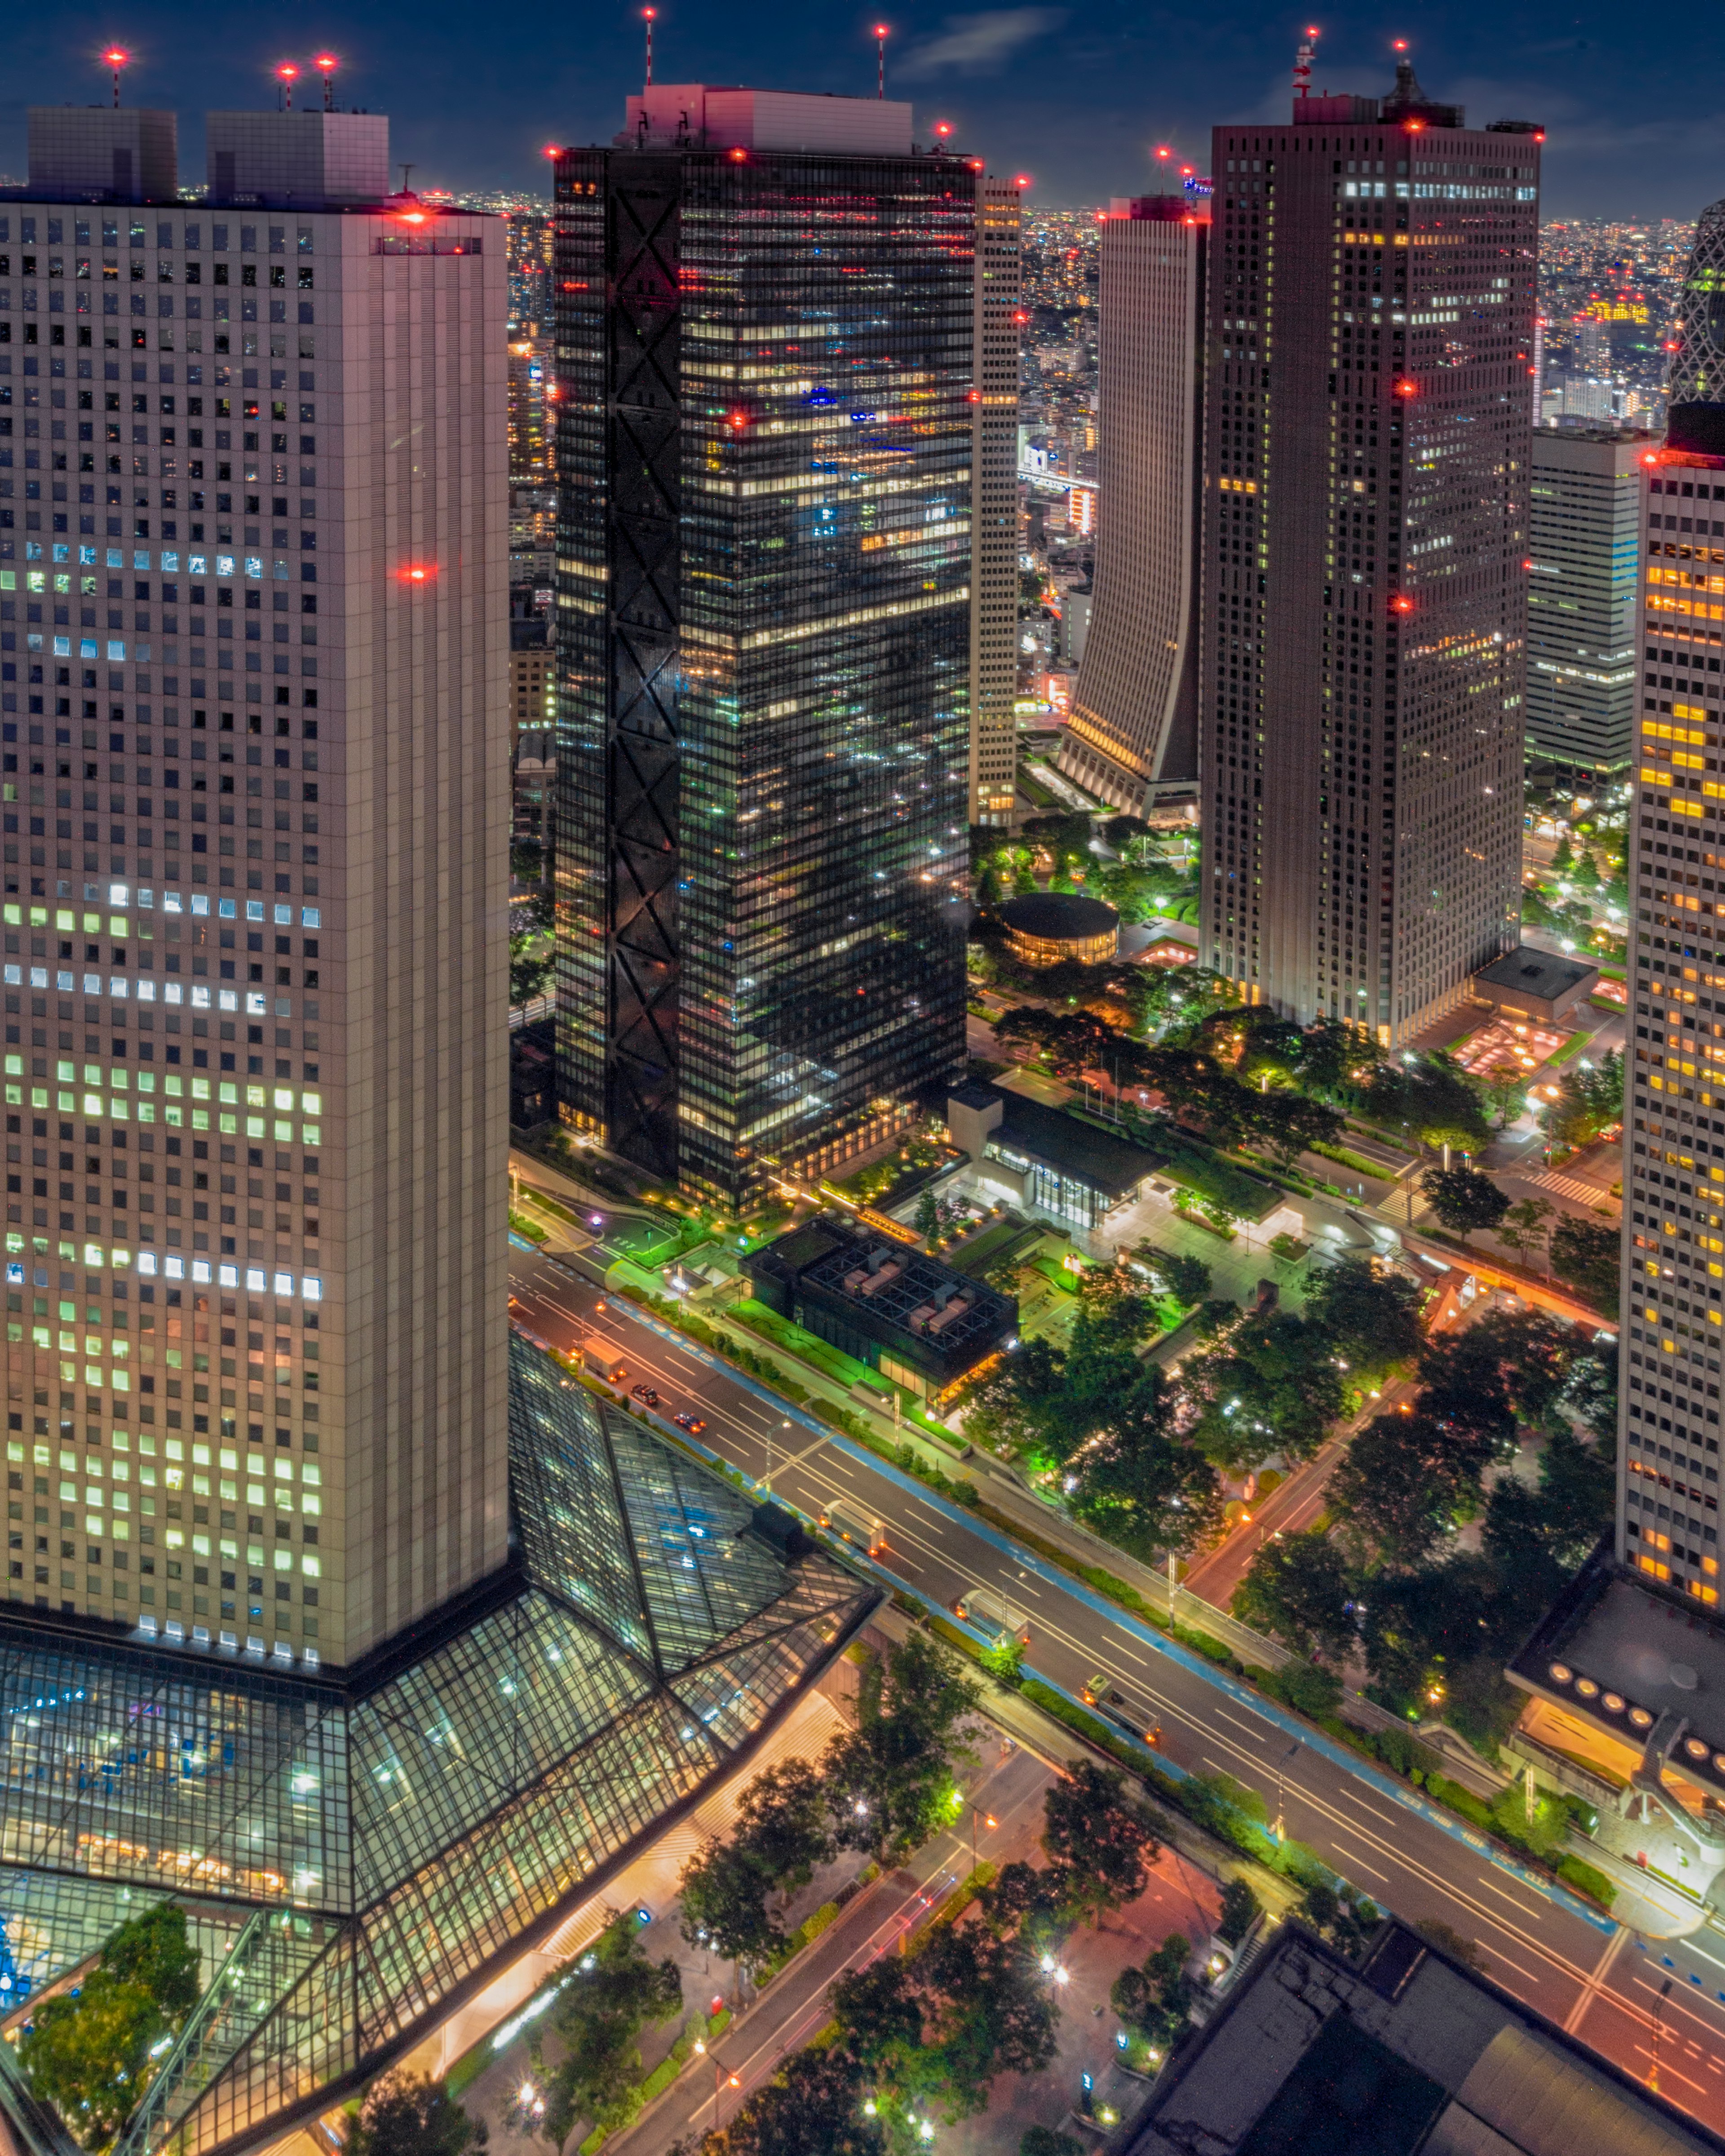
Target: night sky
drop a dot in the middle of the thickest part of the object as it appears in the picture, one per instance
(1076, 97)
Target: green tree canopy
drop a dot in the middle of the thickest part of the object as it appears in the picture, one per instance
(1463, 1199)
(724, 1894)
(813, 2106)
(612, 1993)
(1271, 1386)
(1371, 1312)
(1300, 1590)
(1589, 1255)
(1402, 1483)
(1100, 1841)
(888, 1781)
(1154, 1999)
(405, 2116)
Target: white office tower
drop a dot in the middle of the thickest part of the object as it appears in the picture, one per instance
(254, 613)
(994, 503)
(1134, 720)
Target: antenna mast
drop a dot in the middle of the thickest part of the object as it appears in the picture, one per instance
(880, 36)
(648, 14)
(117, 59)
(1302, 65)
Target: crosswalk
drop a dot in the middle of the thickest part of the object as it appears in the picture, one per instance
(1566, 1186)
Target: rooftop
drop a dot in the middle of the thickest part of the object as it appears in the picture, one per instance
(1411, 2051)
(1112, 1165)
(1059, 915)
(1537, 973)
(1622, 1655)
(897, 1286)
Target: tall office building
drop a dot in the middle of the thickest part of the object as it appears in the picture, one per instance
(269, 1651)
(1697, 368)
(995, 327)
(1584, 526)
(1363, 663)
(254, 621)
(1134, 716)
(1673, 1107)
(764, 450)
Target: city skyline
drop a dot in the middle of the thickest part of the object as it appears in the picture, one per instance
(1078, 104)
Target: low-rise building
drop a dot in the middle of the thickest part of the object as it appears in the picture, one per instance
(1046, 927)
(1045, 1159)
(1535, 984)
(901, 1313)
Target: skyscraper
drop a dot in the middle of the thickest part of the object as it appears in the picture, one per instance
(269, 1652)
(1584, 522)
(1363, 663)
(1697, 369)
(1674, 1109)
(255, 664)
(994, 506)
(764, 447)
(1135, 709)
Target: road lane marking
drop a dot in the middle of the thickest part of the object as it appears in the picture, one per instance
(1354, 1858)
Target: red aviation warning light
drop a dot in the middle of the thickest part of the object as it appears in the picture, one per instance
(287, 74)
(1401, 604)
(1407, 388)
(943, 128)
(1022, 182)
(326, 63)
(417, 572)
(116, 57)
(736, 419)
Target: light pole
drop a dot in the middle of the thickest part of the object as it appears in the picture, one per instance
(766, 1484)
(1282, 1768)
(989, 1822)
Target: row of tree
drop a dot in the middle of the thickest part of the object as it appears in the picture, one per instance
(1389, 1582)
(920, 2037)
(1139, 1453)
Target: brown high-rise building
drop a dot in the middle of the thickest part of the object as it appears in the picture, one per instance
(1364, 643)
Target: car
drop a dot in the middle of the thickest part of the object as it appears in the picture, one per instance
(692, 1423)
(645, 1394)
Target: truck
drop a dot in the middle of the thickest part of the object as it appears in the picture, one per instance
(603, 1360)
(993, 1615)
(854, 1523)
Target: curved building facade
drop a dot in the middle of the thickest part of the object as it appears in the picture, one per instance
(1134, 713)
(1697, 374)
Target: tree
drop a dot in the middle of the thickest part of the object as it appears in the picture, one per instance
(1589, 1255)
(724, 1894)
(89, 2055)
(1299, 1588)
(93, 2053)
(1587, 873)
(610, 1996)
(1463, 1199)
(781, 1819)
(1347, 1921)
(529, 967)
(1592, 1390)
(1240, 1906)
(1523, 1228)
(888, 1781)
(812, 2107)
(1506, 1093)
(1404, 1477)
(1135, 1481)
(1589, 1101)
(1272, 1386)
(1100, 1842)
(928, 1217)
(1534, 1353)
(933, 2029)
(1370, 1313)
(1562, 859)
(1181, 1279)
(405, 2116)
(1464, 1387)
(1048, 2141)
(1154, 1999)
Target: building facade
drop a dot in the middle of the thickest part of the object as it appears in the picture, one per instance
(1697, 369)
(1674, 1105)
(1135, 709)
(1584, 523)
(253, 624)
(1364, 613)
(995, 329)
(763, 626)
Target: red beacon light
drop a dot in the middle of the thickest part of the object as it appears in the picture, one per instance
(942, 128)
(736, 419)
(1401, 605)
(1404, 387)
(1022, 180)
(287, 74)
(417, 572)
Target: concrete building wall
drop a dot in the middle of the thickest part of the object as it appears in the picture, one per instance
(128, 152)
(1584, 521)
(994, 506)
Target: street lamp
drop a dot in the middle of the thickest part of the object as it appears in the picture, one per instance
(1282, 1768)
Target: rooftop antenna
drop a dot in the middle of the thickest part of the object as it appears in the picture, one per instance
(1302, 64)
(406, 173)
(326, 63)
(647, 17)
(117, 60)
(286, 75)
(880, 36)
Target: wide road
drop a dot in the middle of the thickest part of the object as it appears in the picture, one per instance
(1589, 1975)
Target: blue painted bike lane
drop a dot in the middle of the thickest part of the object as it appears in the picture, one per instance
(1313, 1738)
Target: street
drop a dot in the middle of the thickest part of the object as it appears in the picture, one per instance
(1381, 1835)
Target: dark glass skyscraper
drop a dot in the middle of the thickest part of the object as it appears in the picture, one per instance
(764, 345)
(1363, 657)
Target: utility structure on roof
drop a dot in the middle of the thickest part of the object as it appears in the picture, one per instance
(1363, 649)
